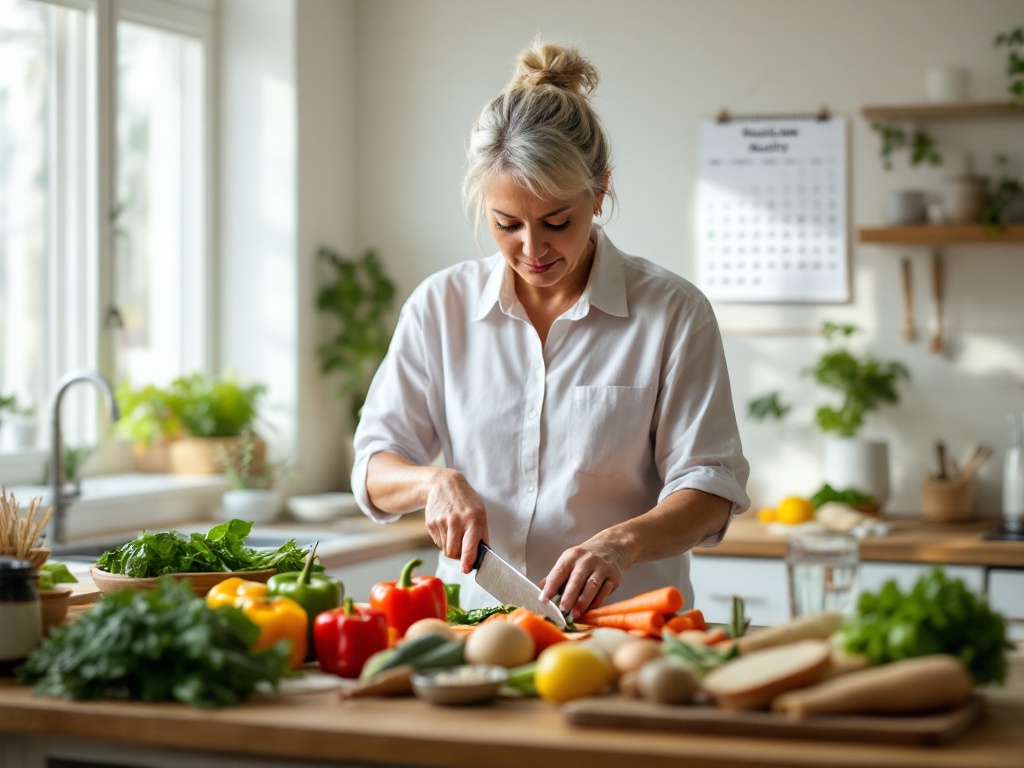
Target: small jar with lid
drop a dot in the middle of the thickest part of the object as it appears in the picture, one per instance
(21, 619)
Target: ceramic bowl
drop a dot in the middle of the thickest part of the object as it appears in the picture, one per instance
(201, 583)
(318, 507)
(452, 686)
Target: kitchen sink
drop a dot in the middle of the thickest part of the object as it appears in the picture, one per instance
(265, 538)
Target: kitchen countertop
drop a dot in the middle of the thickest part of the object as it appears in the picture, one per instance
(910, 540)
(406, 731)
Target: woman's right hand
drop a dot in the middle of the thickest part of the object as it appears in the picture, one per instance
(455, 517)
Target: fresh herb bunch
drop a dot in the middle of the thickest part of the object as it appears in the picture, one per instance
(159, 645)
(938, 615)
(244, 470)
(850, 496)
(221, 549)
(865, 383)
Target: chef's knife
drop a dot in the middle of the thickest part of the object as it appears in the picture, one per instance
(510, 586)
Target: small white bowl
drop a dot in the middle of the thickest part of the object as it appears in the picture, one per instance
(468, 684)
(318, 507)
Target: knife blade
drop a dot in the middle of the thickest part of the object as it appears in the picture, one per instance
(508, 585)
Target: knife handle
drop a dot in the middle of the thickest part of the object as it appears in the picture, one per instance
(481, 550)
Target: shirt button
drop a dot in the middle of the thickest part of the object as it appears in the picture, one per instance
(532, 414)
(530, 488)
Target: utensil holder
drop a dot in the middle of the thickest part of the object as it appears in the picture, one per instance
(947, 501)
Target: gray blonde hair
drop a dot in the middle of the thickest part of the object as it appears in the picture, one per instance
(541, 131)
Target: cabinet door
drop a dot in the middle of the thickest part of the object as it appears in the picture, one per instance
(1006, 596)
(761, 582)
(359, 578)
(872, 575)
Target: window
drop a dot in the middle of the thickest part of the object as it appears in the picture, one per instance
(105, 174)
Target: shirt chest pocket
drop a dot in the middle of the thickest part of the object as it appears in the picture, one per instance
(609, 432)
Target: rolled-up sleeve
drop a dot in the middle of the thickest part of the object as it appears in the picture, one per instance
(396, 416)
(697, 440)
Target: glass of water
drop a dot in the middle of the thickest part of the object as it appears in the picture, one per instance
(822, 572)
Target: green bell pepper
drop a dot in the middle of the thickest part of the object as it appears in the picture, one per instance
(315, 592)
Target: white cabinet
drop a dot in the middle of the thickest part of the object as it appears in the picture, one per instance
(359, 578)
(761, 582)
(1006, 595)
(873, 574)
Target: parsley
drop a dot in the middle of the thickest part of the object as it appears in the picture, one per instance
(159, 645)
(938, 615)
(221, 549)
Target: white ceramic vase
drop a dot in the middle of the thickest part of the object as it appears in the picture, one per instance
(853, 462)
(254, 505)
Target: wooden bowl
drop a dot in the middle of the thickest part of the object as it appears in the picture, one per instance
(201, 583)
(55, 606)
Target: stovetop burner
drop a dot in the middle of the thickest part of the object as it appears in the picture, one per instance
(1005, 533)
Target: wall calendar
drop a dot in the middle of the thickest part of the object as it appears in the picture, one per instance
(772, 210)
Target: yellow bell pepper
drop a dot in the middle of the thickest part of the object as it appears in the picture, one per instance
(279, 618)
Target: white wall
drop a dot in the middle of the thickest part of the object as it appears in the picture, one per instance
(425, 68)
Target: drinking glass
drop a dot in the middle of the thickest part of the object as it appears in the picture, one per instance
(822, 572)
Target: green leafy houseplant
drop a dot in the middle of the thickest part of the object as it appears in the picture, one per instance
(1014, 40)
(920, 145)
(1006, 200)
(196, 405)
(359, 298)
(865, 383)
(244, 470)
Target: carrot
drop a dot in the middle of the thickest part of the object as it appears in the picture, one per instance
(716, 636)
(697, 616)
(664, 600)
(649, 622)
(678, 624)
(543, 632)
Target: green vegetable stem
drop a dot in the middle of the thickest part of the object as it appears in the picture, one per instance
(316, 593)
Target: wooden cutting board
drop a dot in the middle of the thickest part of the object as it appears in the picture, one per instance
(921, 730)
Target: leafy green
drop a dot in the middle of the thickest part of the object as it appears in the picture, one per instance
(476, 615)
(51, 574)
(850, 496)
(221, 549)
(159, 645)
(938, 615)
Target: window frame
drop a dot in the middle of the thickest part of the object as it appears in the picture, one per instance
(79, 333)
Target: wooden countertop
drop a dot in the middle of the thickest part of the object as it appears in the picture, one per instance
(909, 540)
(509, 733)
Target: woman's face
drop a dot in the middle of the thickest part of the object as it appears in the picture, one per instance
(546, 242)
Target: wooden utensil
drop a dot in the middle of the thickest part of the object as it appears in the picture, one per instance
(979, 458)
(937, 287)
(908, 331)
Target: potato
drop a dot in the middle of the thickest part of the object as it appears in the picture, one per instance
(429, 627)
(499, 643)
(667, 680)
(635, 654)
(608, 639)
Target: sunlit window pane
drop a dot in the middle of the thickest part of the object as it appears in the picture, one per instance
(159, 191)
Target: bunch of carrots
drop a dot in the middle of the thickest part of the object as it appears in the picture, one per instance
(650, 613)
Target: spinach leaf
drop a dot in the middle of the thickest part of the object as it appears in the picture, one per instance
(159, 645)
(938, 615)
(221, 549)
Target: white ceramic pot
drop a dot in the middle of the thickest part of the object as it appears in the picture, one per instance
(946, 85)
(852, 462)
(254, 505)
(24, 431)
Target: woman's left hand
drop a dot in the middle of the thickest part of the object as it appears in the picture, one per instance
(590, 572)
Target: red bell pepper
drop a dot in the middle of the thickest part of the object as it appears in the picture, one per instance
(346, 637)
(409, 599)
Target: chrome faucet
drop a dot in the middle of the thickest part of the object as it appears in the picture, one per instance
(60, 498)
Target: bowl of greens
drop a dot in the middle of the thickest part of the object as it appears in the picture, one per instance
(202, 560)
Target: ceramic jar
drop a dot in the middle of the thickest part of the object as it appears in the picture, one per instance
(964, 196)
(21, 615)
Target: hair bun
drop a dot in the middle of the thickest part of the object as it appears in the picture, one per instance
(555, 64)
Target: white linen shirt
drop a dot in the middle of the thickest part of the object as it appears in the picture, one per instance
(627, 402)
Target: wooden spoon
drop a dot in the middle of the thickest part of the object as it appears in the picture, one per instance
(909, 334)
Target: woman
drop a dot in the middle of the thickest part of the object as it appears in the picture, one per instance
(579, 397)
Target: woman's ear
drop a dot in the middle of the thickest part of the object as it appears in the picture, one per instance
(599, 201)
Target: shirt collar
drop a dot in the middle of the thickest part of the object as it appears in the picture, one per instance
(606, 286)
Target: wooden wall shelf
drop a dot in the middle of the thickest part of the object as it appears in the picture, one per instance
(936, 234)
(967, 109)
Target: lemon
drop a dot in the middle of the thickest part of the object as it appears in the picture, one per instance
(794, 510)
(766, 515)
(568, 671)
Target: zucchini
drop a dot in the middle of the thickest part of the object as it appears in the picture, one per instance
(448, 654)
(401, 654)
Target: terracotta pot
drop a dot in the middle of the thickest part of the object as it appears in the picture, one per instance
(154, 457)
(201, 455)
(54, 604)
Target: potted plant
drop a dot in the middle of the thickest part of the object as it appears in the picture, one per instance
(359, 297)
(252, 493)
(1005, 202)
(1013, 40)
(866, 384)
(21, 422)
(179, 428)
